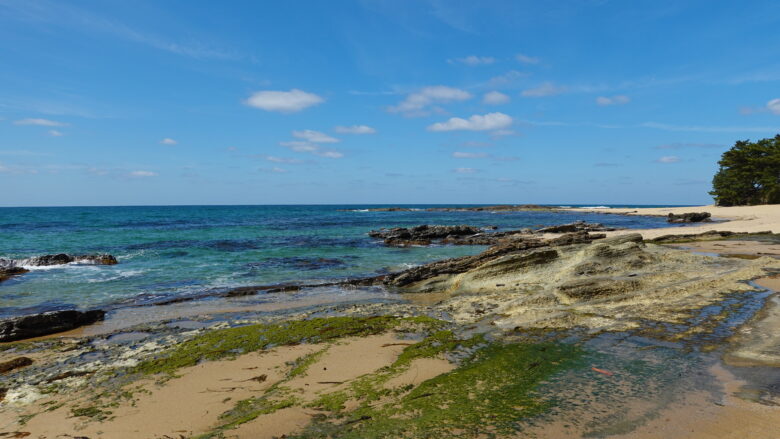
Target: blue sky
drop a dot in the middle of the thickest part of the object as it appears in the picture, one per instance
(192, 102)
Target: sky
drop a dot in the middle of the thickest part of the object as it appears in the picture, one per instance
(136, 102)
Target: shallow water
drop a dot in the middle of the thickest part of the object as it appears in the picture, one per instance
(181, 250)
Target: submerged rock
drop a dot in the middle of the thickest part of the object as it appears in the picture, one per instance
(10, 271)
(19, 328)
(691, 217)
(577, 226)
(63, 258)
(422, 235)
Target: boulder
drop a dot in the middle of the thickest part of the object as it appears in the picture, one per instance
(691, 217)
(19, 328)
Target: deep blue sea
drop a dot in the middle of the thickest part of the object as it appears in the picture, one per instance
(170, 251)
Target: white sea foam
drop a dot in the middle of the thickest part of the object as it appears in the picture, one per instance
(595, 207)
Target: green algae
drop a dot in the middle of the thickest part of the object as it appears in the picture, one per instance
(231, 342)
(91, 412)
(487, 395)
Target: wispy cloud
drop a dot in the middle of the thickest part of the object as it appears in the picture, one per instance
(290, 101)
(774, 106)
(276, 159)
(544, 89)
(142, 174)
(66, 15)
(668, 159)
(417, 103)
(465, 171)
(312, 148)
(314, 136)
(468, 155)
(40, 122)
(473, 60)
(495, 98)
(710, 129)
(355, 129)
(55, 133)
(168, 141)
(612, 100)
(689, 145)
(525, 59)
(274, 170)
(477, 122)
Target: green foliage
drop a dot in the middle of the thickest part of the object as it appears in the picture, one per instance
(749, 174)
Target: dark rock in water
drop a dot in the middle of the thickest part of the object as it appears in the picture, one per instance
(16, 363)
(19, 328)
(7, 272)
(422, 235)
(577, 226)
(62, 258)
(691, 217)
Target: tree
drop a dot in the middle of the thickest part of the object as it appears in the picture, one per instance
(749, 174)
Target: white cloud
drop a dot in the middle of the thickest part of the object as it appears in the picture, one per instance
(275, 159)
(55, 133)
(473, 60)
(468, 155)
(668, 159)
(313, 148)
(142, 174)
(300, 146)
(544, 89)
(314, 136)
(495, 98)
(416, 103)
(283, 101)
(612, 100)
(774, 106)
(477, 122)
(525, 59)
(40, 122)
(355, 129)
(168, 141)
(464, 171)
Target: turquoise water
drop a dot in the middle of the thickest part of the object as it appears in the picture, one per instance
(171, 251)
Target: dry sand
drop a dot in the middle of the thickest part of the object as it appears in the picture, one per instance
(192, 403)
(740, 219)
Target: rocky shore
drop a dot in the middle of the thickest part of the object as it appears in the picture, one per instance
(595, 309)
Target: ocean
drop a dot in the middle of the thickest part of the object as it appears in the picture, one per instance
(167, 252)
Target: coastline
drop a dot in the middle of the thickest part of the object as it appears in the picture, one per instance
(153, 407)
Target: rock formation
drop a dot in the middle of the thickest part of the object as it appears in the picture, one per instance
(691, 217)
(36, 325)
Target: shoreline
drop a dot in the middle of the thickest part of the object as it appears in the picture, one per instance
(289, 387)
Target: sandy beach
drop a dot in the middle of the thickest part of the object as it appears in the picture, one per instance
(749, 219)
